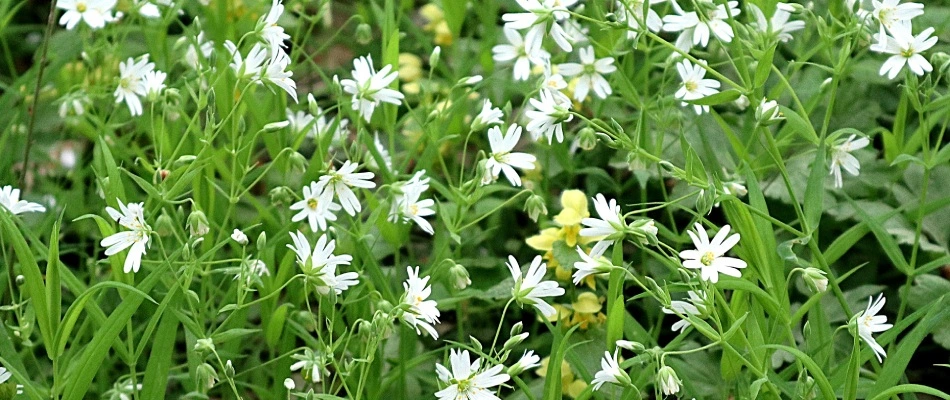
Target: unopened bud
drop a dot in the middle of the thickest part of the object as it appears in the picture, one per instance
(587, 138)
(228, 369)
(516, 329)
(742, 102)
(298, 162)
(434, 58)
(198, 224)
(312, 105)
(632, 346)
(205, 345)
(459, 276)
(289, 384)
(281, 195)
(184, 160)
(261, 241)
(206, 376)
(239, 237)
(816, 279)
(470, 80)
(535, 207)
(20, 280)
(364, 34)
(275, 126)
(514, 341)
(667, 380)
(164, 225)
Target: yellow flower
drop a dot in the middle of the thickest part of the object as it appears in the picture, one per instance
(544, 240)
(575, 388)
(410, 67)
(587, 310)
(574, 203)
(437, 24)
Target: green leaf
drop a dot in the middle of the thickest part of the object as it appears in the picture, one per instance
(764, 67)
(816, 372)
(800, 125)
(815, 191)
(276, 325)
(35, 287)
(232, 334)
(155, 381)
(54, 290)
(887, 242)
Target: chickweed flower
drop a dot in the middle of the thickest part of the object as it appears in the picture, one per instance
(841, 157)
(316, 210)
(250, 67)
(467, 380)
(816, 278)
(131, 217)
(695, 30)
(270, 32)
(530, 289)
(527, 361)
(589, 74)
(95, 13)
(906, 49)
(320, 264)
(369, 87)
(609, 228)
(487, 117)
(522, 55)
(610, 372)
(631, 12)
(695, 86)
(539, 14)
(502, 159)
(694, 306)
(312, 363)
(867, 322)
(593, 264)
(768, 113)
(548, 116)
(340, 182)
(891, 13)
(276, 73)
(239, 237)
(421, 314)
(778, 25)
(709, 256)
(132, 83)
(407, 206)
(10, 199)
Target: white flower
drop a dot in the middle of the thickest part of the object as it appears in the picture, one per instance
(199, 49)
(610, 371)
(530, 289)
(487, 117)
(408, 207)
(270, 32)
(314, 209)
(891, 13)
(523, 56)
(695, 30)
(300, 121)
(132, 217)
(548, 116)
(122, 390)
(153, 83)
(340, 181)
(502, 159)
(422, 313)
(527, 361)
(779, 24)
(589, 74)
(709, 256)
(277, 74)
(10, 199)
(465, 381)
(320, 264)
(132, 83)
(694, 85)
(841, 157)
(906, 49)
(868, 323)
(593, 264)
(313, 363)
(383, 154)
(694, 306)
(249, 67)
(631, 12)
(94, 12)
(239, 237)
(289, 384)
(610, 227)
(369, 87)
(539, 13)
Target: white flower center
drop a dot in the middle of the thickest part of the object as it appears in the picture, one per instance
(707, 258)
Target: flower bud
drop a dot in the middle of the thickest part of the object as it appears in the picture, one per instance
(206, 376)
(667, 380)
(459, 276)
(644, 230)
(470, 80)
(516, 329)
(816, 279)
(198, 224)
(298, 162)
(364, 33)
(941, 60)
(275, 126)
(205, 345)
(535, 207)
(281, 195)
(735, 188)
(20, 280)
(184, 160)
(289, 384)
(768, 113)
(312, 105)
(164, 225)
(514, 341)
(742, 102)
(587, 138)
(632, 346)
(228, 369)
(527, 361)
(261, 241)
(239, 237)
(434, 58)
